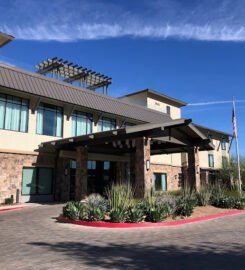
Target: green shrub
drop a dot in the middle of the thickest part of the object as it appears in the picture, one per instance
(175, 193)
(226, 202)
(136, 213)
(240, 203)
(204, 196)
(74, 210)
(155, 210)
(9, 200)
(185, 206)
(231, 202)
(169, 201)
(159, 213)
(119, 215)
(218, 192)
(96, 207)
(120, 199)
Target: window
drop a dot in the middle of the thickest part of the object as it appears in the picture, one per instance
(168, 110)
(91, 165)
(106, 165)
(160, 181)
(49, 120)
(223, 144)
(106, 124)
(127, 124)
(37, 181)
(210, 137)
(81, 123)
(211, 160)
(13, 113)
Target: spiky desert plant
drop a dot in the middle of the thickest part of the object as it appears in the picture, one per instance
(96, 207)
(204, 195)
(120, 198)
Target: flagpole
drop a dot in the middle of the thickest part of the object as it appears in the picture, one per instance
(237, 151)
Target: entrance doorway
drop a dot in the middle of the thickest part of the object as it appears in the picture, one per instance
(100, 175)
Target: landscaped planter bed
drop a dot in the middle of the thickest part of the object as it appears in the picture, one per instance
(120, 209)
(168, 223)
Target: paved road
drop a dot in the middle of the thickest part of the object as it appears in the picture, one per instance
(32, 239)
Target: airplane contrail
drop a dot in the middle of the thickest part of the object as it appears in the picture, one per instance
(214, 102)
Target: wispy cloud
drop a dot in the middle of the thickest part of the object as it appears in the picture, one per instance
(215, 102)
(223, 20)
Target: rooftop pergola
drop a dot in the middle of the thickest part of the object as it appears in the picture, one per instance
(172, 137)
(71, 73)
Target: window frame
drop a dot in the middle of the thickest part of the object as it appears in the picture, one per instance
(223, 144)
(22, 104)
(88, 116)
(211, 164)
(106, 119)
(166, 181)
(51, 107)
(168, 110)
(37, 181)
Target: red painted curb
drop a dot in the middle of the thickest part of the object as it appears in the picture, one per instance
(103, 224)
(12, 208)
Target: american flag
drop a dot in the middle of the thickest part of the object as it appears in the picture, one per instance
(234, 119)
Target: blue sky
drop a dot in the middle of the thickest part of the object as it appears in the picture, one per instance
(191, 50)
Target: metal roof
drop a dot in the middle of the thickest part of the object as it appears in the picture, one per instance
(151, 91)
(39, 85)
(210, 130)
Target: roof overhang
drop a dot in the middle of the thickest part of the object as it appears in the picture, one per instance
(4, 39)
(171, 137)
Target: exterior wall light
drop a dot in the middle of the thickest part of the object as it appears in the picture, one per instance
(148, 165)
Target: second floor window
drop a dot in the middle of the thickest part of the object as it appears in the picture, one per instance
(81, 123)
(223, 144)
(13, 113)
(106, 124)
(49, 120)
(168, 110)
(211, 160)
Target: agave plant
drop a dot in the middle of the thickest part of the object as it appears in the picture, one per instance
(73, 210)
(155, 210)
(136, 213)
(96, 207)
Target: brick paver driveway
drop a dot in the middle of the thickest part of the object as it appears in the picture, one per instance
(31, 239)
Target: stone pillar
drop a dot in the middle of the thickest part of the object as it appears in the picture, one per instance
(193, 168)
(81, 173)
(204, 177)
(62, 183)
(142, 175)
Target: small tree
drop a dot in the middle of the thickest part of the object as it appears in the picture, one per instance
(229, 173)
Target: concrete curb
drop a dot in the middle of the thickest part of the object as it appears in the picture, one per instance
(13, 208)
(103, 224)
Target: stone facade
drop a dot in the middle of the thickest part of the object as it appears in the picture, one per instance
(81, 173)
(11, 168)
(62, 183)
(174, 175)
(143, 180)
(194, 179)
